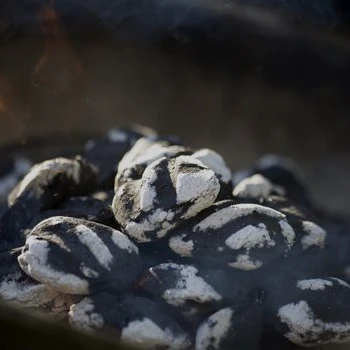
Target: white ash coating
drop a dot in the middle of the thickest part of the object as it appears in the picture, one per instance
(94, 251)
(235, 211)
(181, 246)
(82, 316)
(50, 168)
(144, 152)
(287, 232)
(148, 192)
(256, 186)
(189, 286)
(200, 188)
(34, 263)
(95, 244)
(214, 161)
(145, 334)
(340, 282)
(25, 293)
(211, 332)
(250, 237)
(314, 284)
(123, 242)
(152, 215)
(305, 329)
(315, 235)
(246, 263)
(222, 217)
(158, 219)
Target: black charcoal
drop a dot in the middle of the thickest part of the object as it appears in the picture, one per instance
(314, 312)
(145, 151)
(76, 256)
(18, 289)
(195, 291)
(168, 192)
(45, 186)
(106, 152)
(139, 321)
(242, 236)
(231, 328)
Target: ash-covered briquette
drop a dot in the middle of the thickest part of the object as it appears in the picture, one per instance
(54, 180)
(106, 152)
(231, 328)
(210, 255)
(309, 234)
(18, 289)
(281, 172)
(139, 322)
(216, 162)
(196, 292)
(145, 151)
(256, 187)
(45, 186)
(76, 256)
(241, 236)
(315, 311)
(169, 191)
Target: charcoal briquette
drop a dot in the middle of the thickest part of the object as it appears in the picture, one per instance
(312, 311)
(145, 151)
(169, 191)
(46, 185)
(139, 322)
(242, 236)
(231, 328)
(18, 289)
(197, 291)
(106, 152)
(77, 256)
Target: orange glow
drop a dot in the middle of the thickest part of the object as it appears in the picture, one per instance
(58, 70)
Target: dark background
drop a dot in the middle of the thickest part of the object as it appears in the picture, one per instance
(244, 81)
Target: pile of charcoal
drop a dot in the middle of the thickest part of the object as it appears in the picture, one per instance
(165, 247)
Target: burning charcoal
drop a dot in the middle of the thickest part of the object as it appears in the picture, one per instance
(17, 288)
(10, 173)
(141, 323)
(76, 256)
(313, 311)
(256, 187)
(46, 185)
(242, 236)
(169, 191)
(215, 162)
(106, 152)
(54, 180)
(196, 291)
(231, 328)
(145, 151)
(308, 233)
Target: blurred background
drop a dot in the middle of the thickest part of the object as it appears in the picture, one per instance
(244, 77)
